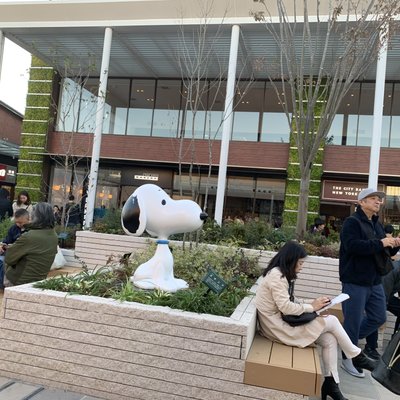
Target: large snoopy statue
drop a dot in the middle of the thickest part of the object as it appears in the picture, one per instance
(149, 208)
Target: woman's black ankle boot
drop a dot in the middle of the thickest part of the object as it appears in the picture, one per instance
(331, 388)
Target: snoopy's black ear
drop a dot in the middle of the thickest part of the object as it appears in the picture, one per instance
(131, 218)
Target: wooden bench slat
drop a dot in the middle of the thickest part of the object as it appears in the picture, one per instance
(281, 355)
(260, 351)
(303, 359)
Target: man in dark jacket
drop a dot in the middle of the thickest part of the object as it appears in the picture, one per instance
(362, 244)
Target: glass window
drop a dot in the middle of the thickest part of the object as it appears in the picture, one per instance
(275, 126)
(395, 127)
(349, 108)
(167, 109)
(194, 104)
(247, 111)
(88, 107)
(65, 183)
(352, 126)
(68, 109)
(216, 107)
(140, 113)
(117, 102)
(336, 130)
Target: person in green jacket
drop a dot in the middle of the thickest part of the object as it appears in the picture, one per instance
(29, 259)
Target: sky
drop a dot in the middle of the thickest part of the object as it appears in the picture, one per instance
(14, 76)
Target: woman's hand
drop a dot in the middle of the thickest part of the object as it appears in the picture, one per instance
(320, 302)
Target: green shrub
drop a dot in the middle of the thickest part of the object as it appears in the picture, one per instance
(5, 225)
(238, 269)
(110, 223)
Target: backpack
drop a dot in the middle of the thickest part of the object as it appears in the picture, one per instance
(387, 373)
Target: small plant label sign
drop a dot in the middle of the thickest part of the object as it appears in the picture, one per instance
(214, 281)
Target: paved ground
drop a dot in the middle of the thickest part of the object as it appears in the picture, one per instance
(11, 389)
(353, 388)
(361, 388)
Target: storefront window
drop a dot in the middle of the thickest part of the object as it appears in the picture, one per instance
(65, 183)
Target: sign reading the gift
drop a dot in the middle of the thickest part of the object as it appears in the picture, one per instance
(214, 281)
(344, 191)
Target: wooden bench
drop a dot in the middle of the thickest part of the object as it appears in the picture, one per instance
(289, 369)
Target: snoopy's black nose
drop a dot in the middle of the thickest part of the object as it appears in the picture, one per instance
(203, 216)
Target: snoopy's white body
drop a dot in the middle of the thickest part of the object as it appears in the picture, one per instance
(150, 208)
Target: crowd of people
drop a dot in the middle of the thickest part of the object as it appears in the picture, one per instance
(29, 248)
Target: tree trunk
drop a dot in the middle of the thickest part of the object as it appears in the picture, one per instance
(301, 225)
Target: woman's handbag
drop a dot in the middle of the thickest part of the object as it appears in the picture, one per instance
(387, 372)
(297, 320)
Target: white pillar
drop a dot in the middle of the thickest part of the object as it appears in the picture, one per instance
(101, 99)
(2, 39)
(227, 124)
(378, 116)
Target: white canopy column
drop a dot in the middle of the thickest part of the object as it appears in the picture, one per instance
(2, 39)
(378, 116)
(227, 124)
(101, 100)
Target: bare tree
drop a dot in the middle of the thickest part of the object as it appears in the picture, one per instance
(76, 112)
(204, 72)
(324, 47)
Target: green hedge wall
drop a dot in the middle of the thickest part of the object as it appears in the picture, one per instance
(36, 121)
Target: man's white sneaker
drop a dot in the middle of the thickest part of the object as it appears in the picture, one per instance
(348, 366)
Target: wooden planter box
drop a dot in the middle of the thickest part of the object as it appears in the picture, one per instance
(126, 351)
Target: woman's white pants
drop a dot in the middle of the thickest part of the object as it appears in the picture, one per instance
(331, 336)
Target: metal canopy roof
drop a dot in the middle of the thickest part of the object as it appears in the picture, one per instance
(154, 51)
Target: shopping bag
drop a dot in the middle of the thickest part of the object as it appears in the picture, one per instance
(59, 260)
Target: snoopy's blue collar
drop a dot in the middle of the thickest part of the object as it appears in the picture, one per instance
(162, 241)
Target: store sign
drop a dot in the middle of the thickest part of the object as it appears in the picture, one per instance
(7, 173)
(147, 177)
(138, 177)
(344, 191)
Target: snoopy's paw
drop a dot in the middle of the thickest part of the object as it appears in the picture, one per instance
(143, 284)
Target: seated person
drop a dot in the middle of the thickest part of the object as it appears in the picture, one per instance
(391, 285)
(273, 300)
(21, 219)
(29, 259)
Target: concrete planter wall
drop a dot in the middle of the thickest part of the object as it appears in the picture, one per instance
(126, 351)
(319, 278)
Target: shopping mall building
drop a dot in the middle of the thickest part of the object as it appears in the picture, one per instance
(149, 130)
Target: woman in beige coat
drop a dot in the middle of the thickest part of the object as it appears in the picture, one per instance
(273, 300)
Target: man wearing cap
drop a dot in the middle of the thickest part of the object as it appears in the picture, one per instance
(361, 238)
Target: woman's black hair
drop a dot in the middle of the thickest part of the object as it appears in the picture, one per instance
(42, 216)
(286, 260)
(23, 193)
